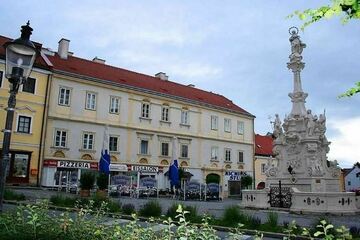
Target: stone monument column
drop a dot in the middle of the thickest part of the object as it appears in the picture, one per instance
(300, 145)
(296, 65)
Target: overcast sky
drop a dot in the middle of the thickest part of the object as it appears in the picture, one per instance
(235, 48)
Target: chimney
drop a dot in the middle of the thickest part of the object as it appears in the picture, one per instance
(63, 48)
(191, 85)
(99, 60)
(162, 76)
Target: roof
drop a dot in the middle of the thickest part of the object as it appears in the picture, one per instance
(125, 77)
(263, 145)
(39, 62)
(349, 170)
(101, 71)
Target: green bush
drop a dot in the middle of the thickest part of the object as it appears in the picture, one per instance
(128, 209)
(253, 222)
(150, 209)
(272, 219)
(87, 180)
(12, 195)
(232, 216)
(102, 181)
(63, 201)
(37, 222)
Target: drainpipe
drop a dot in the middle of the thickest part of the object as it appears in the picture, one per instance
(43, 132)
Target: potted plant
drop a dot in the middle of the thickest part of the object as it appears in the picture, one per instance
(87, 181)
(102, 181)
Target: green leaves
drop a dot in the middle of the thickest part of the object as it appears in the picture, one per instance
(346, 9)
(352, 91)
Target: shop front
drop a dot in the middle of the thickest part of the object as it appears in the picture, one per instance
(65, 174)
(17, 171)
(233, 182)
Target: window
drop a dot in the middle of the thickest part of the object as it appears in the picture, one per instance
(164, 149)
(214, 123)
(228, 155)
(90, 101)
(241, 157)
(185, 117)
(114, 105)
(227, 125)
(113, 144)
(144, 147)
(214, 153)
(165, 113)
(60, 138)
(184, 151)
(240, 127)
(263, 168)
(24, 124)
(88, 141)
(1, 77)
(349, 183)
(29, 85)
(64, 96)
(145, 110)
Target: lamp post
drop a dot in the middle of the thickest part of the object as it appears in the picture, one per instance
(20, 57)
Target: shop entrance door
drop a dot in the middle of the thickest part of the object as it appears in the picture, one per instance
(66, 179)
(234, 188)
(17, 171)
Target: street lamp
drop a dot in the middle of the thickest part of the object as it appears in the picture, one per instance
(20, 57)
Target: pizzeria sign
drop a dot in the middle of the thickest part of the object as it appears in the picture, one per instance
(73, 164)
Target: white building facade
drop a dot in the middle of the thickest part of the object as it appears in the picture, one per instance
(143, 115)
(352, 179)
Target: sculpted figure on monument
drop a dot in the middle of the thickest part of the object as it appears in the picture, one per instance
(296, 47)
(277, 126)
(321, 124)
(315, 166)
(310, 123)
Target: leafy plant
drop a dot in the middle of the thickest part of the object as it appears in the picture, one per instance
(191, 216)
(246, 181)
(102, 181)
(87, 180)
(290, 230)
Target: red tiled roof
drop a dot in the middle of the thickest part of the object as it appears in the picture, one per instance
(263, 145)
(39, 62)
(101, 71)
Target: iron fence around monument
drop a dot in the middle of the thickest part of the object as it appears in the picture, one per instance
(280, 197)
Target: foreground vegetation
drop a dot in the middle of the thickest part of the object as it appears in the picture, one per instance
(38, 222)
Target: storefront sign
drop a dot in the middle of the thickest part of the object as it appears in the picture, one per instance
(139, 168)
(148, 182)
(50, 163)
(118, 168)
(234, 176)
(73, 164)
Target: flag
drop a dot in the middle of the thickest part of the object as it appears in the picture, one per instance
(104, 163)
(174, 167)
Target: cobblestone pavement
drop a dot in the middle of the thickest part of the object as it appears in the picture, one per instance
(215, 208)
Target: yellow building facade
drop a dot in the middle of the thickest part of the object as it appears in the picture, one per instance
(24, 167)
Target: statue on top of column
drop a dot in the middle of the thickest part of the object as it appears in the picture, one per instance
(296, 45)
